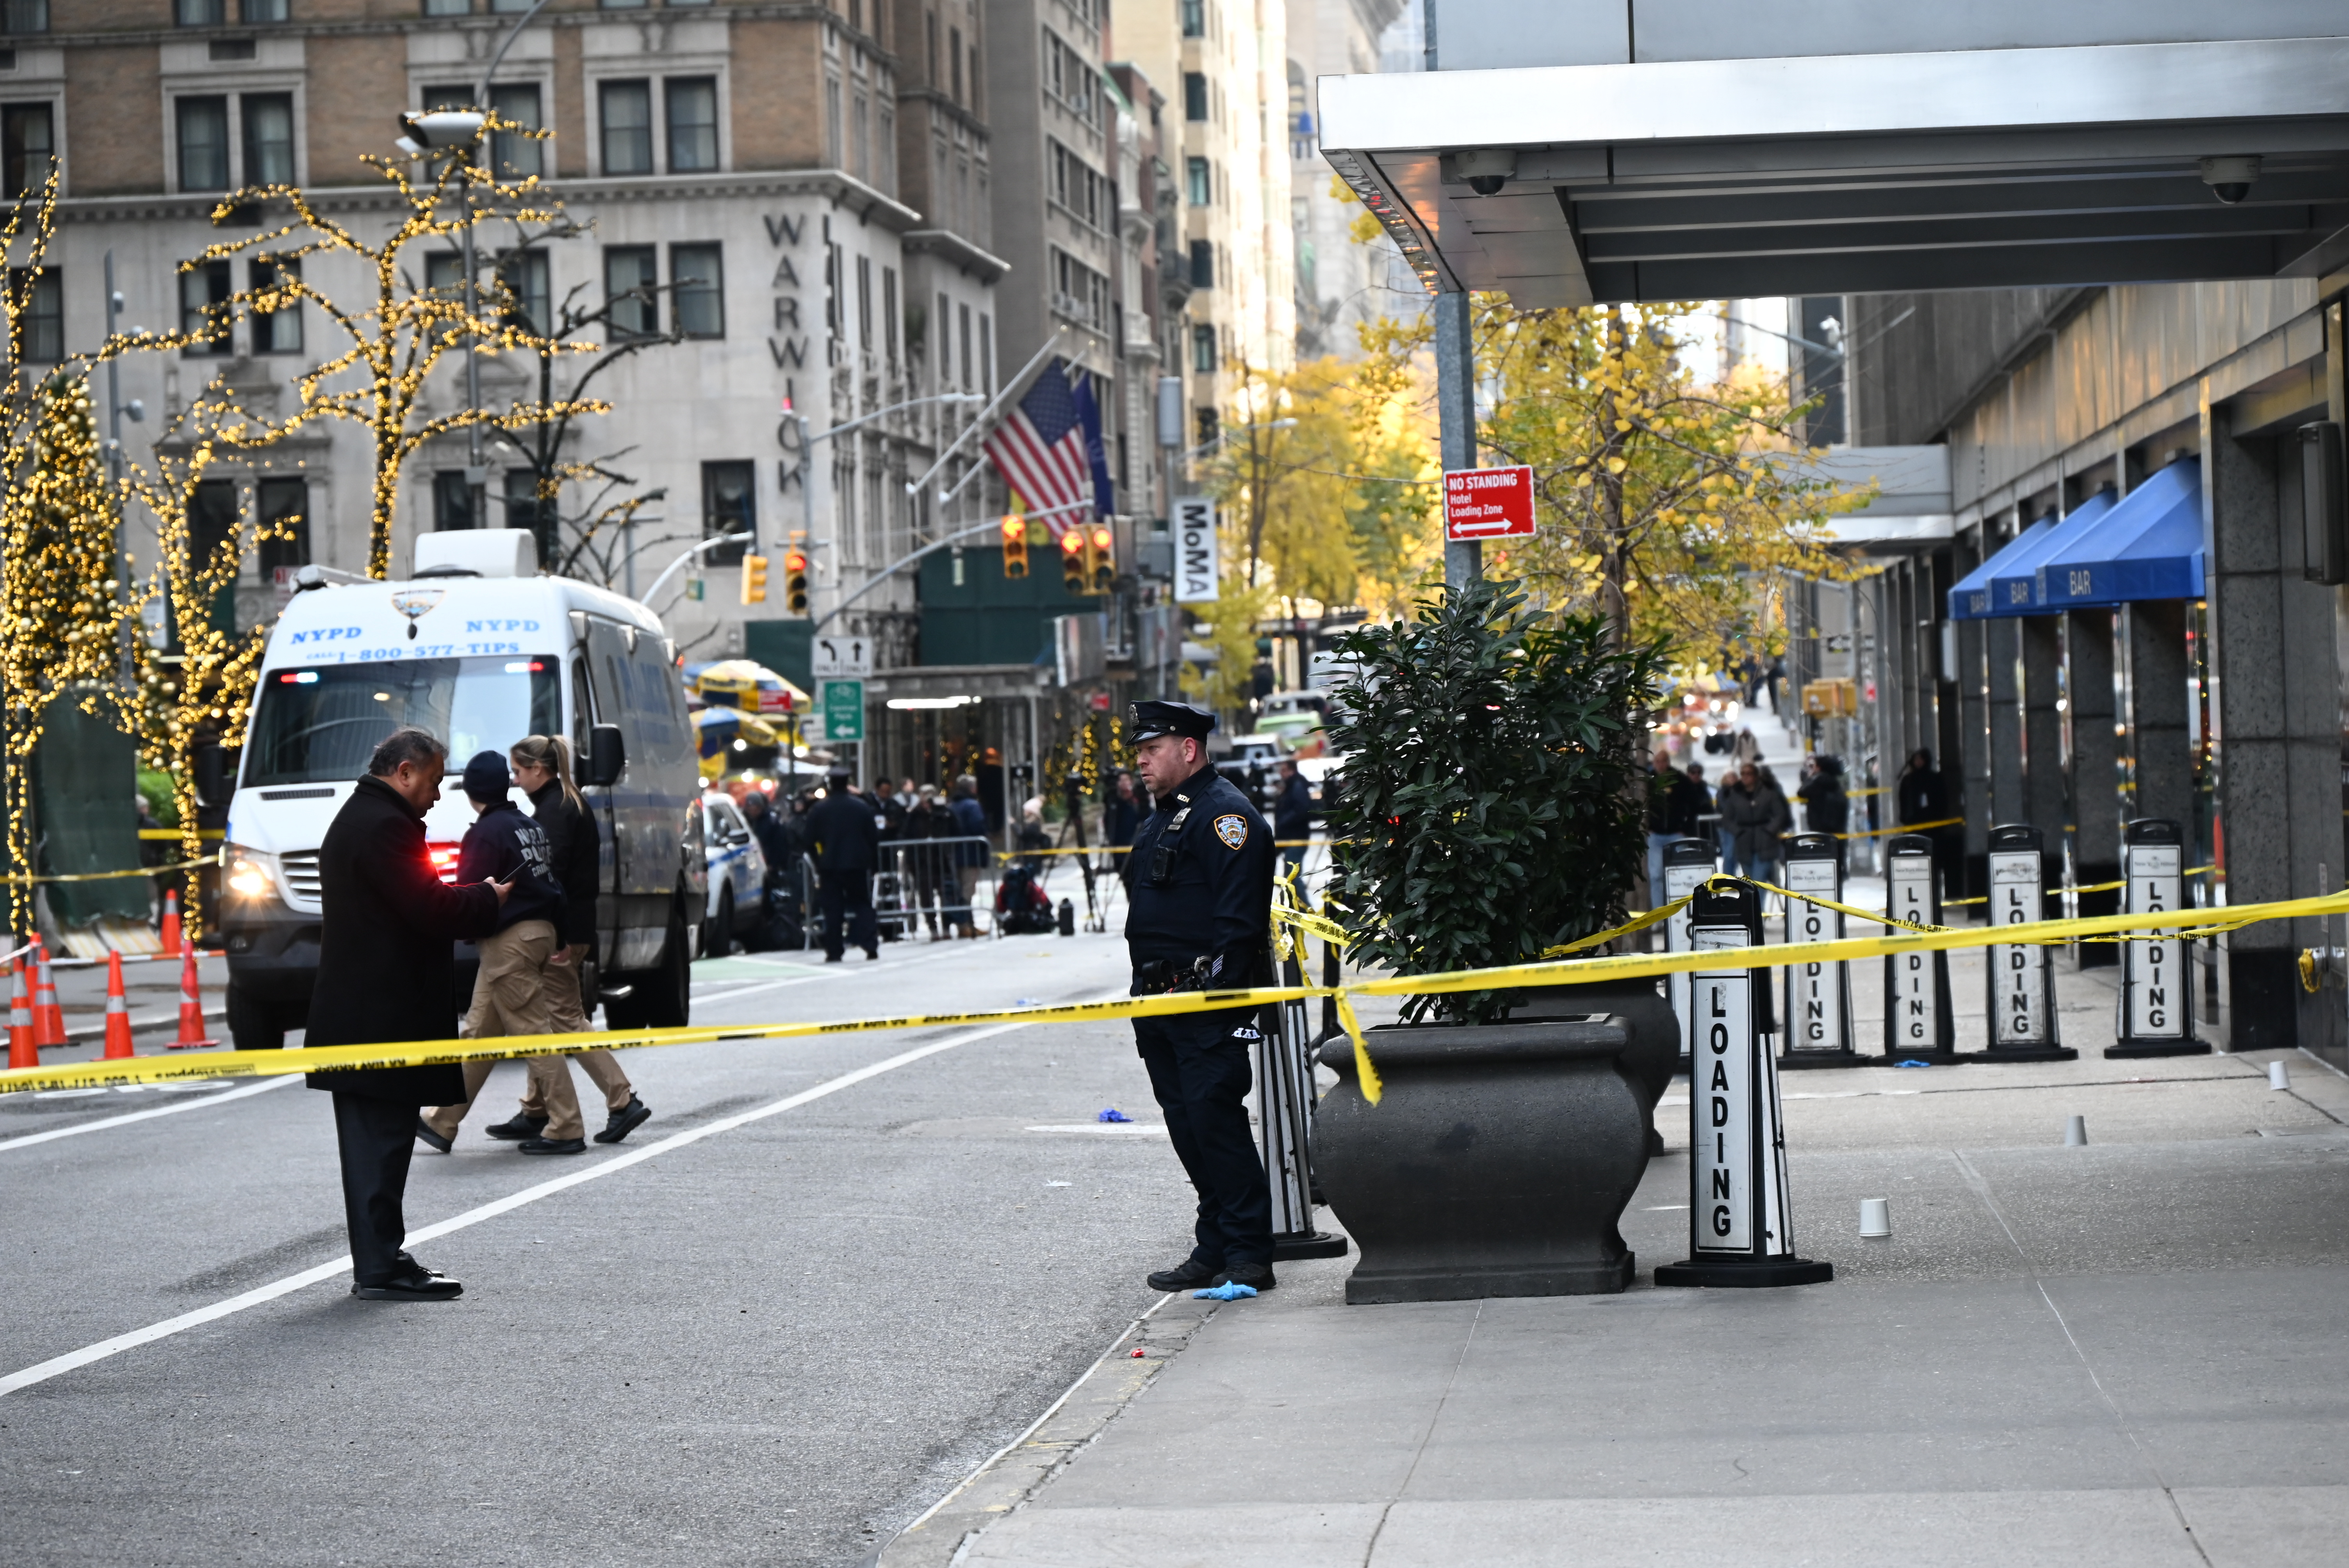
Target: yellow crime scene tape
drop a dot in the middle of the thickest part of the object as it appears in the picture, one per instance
(176, 833)
(211, 860)
(1128, 848)
(2192, 923)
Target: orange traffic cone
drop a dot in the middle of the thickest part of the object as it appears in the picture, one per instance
(21, 1052)
(192, 1007)
(48, 1019)
(118, 1011)
(170, 926)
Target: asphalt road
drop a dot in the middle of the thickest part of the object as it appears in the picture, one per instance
(774, 1343)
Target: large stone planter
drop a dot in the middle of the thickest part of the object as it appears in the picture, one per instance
(1654, 1055)
(1496, 1163)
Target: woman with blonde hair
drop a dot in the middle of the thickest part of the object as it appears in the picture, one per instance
(542, 765)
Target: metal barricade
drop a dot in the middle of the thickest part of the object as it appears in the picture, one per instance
(939, 885)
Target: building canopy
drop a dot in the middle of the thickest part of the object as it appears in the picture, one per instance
(1629, 151)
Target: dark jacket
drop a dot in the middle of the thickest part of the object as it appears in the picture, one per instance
(502, 844)
(1826, 808)
(1215, 899)
(387, 963)
(969, 822)
(1118, 819)
(847, 832)
(774, 839)
(1292, 808)
(1924, 797)
(575, 853)
(1689, 801)
(1756, 817)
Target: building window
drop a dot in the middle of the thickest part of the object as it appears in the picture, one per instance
(1068, 76)
(628, 283)
(954, 61)
(1200, 191)
(28, 145)
(698, 273)
(1194, 95)
(251, 11)
(268, 121)
(627, 113)
(444, 274)
(23, 16)
(967, 360)
(692, 123)
(986, 352)
(205, 291)
(452, 501)
(276, 331)
(889, 314)
(1078, 292)
(1203, 350)
(449, 9)
(1195, 19)
(624, 5)
(201, 13)
(203, 143)
(1203, 265)
(522, 275)
(729, 503)
(1079, 188)
(284, 509)
(40, 314)
(518, 156)
(864, 304)
(831, 139)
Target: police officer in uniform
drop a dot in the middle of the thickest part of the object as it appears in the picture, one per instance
(1201, 921)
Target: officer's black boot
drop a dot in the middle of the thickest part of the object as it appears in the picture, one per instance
(1189, 1274)
(1256, 1277)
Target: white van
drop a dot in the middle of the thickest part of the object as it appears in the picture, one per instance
(481, 651)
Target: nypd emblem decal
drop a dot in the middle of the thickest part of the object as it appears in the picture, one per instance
(1233, 831)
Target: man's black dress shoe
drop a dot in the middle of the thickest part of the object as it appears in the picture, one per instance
(521, 1127)
(624, 1120)
(1189, 1274)
(1256, 1277)
(419, 1284)
(553, 1146)
(432, 1137)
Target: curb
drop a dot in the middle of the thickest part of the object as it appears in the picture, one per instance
(1006, 1481)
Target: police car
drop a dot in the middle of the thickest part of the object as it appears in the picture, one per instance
(737, 875)
(479, 649)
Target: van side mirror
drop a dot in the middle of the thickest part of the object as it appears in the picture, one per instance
(607, 756)
(215, 769)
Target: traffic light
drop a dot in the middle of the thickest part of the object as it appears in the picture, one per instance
(754, 580)
(1015, 546)
(1072, 561)
(795, 587)
(1104, 560)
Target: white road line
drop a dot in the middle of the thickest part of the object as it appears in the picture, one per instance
(320, 1272)
(263, 1087)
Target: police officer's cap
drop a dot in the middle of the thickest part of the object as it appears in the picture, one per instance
(1149, 720)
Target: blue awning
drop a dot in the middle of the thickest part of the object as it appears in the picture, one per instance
(1970, 598)
(2149, 546)
(2016, 589)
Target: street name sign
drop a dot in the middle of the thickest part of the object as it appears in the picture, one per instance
(1488, 503)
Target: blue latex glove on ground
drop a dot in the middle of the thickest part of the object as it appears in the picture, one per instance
(1231, 1290)
(1112, 1114)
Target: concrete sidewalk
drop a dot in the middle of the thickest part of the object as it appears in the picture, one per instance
(2130, 1354)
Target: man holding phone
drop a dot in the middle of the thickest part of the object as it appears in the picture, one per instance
(387, 973)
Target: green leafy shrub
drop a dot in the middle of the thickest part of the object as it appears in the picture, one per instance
(156, 785)
(1491, 804)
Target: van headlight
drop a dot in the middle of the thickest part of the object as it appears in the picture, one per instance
(251, 873)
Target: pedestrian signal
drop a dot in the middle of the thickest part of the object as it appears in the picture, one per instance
(1072, 561)
(795, 582)
(1015, 547)
(754, 580)
(1104, 560)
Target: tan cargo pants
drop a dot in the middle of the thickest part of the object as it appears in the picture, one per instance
(570, 1018)
(509, 998)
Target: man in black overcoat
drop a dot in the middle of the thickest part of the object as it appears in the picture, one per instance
(387, 973)
(847, 828)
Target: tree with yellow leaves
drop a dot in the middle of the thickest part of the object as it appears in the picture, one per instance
(202, 693)
(64, 613)
(399, 335)
(1661, 499)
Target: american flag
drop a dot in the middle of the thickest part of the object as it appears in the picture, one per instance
(1049, 451)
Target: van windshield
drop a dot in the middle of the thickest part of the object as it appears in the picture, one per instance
(320, 726)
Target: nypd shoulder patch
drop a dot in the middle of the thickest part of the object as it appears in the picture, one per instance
(1233, 831)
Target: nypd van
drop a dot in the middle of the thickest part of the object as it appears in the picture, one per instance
(479, 649)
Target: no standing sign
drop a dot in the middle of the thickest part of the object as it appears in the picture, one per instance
(1487, 503)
